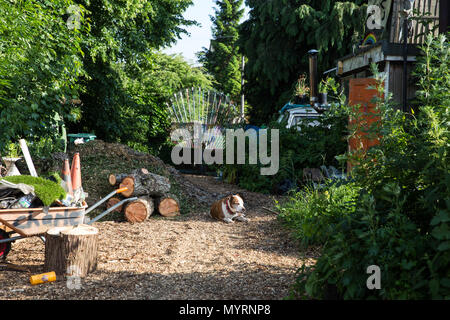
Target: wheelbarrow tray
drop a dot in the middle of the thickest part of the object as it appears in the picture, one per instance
(35, 221)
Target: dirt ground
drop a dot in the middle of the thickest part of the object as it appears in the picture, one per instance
(187, 257)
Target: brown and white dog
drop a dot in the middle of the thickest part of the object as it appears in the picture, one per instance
(228, 209)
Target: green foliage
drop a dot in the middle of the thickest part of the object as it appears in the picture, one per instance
(136, 113)
(314, 213)
(47, 191)
(277, 36)
(11, 150)
(223, 60)
(311, 147)
(369, 237)
(40, 62)
(129, 81)
(103, 53)
(401, 218)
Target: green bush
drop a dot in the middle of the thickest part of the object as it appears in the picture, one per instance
(314, 213)
(401, 219)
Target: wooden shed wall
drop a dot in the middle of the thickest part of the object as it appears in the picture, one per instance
(396, 83)
(428, 8)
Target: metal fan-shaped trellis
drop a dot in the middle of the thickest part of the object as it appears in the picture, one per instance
(210, 111)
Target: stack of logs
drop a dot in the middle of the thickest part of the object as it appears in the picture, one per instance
(152, 191)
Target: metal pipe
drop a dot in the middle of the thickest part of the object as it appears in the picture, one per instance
(329, 71)
(313, 76)
(242, 87)
(11, 239)
(387, 71)
(405, 63)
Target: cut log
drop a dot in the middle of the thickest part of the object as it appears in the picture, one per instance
(139, 210)
(141, 182)
(113, 201)
(168, 206)
(116, 178)
(128, 183)
(71, 251)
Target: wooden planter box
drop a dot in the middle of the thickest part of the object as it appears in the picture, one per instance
(34, 221)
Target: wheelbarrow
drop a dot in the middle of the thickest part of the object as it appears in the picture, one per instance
(29, 222)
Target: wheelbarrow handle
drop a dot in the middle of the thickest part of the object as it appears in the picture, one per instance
(11, 239)
(105, 198)
(121, 190)
(118, 204)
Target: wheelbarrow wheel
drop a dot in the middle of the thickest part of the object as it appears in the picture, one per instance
(4, 247)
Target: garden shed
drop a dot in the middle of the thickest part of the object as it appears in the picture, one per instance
(384, 43)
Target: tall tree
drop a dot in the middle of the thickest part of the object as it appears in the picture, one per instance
(40, 62)
(277, 37)
(222, 59)
(120, 53)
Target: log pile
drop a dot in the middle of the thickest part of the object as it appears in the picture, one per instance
(152, 191)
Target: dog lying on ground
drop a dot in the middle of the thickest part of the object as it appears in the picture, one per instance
(229, 209)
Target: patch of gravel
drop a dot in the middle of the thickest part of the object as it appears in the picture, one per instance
(186, 257)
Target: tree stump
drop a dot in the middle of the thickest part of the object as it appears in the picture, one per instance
(139, 210)
(168, 206)
(71, 251)
(54, 251)
(142, 182)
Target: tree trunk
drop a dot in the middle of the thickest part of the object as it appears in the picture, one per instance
(139, 210)
(116, 178)
(71, 251)
(111, 202)
(142, 182)
(168, 206)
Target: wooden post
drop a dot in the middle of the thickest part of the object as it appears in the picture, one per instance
(26, 154)
(71, 250)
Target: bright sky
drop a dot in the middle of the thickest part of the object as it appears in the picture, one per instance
(199, 36)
